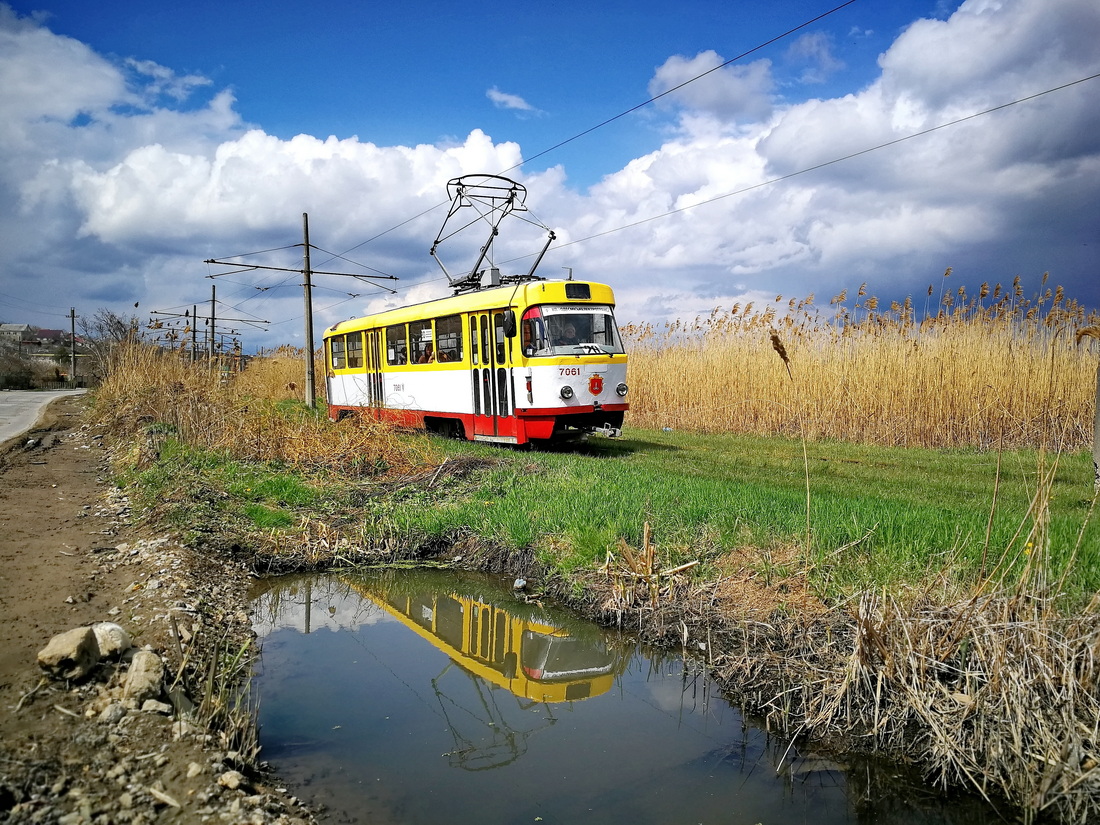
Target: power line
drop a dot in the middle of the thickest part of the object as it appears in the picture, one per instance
(808, 169)
(826, 163)
(678, 87)
(617, 117)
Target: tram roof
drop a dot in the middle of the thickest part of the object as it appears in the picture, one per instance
(498, 297)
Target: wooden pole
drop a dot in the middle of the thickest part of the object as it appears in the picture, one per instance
(72, 346)
(210, 341)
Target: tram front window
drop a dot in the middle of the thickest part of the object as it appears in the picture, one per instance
(548, 658)
(553, 329)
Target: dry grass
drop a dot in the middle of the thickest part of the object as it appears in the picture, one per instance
(988, 370)
(996, 689)
(156, 392)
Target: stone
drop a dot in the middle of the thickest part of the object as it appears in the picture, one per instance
(143, 681)
(231, 779)
(153, 706)
(181, 702)
(113, 639)
(112, 713)
(70, 655)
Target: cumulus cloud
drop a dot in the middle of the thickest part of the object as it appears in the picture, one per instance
(729, 93)
(122, 176)
(816, 50)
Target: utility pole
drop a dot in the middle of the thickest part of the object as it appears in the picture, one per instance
(194, 333)
(72, 346)
(210, 340)
(311, 395)
(308, 272)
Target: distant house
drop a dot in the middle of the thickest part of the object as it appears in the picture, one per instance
(14, 333)
(54, 338)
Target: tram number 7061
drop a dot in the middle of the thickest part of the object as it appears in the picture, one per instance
(569, 371)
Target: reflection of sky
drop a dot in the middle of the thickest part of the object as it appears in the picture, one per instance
(322, 604)
(379, 722)
(379, 725)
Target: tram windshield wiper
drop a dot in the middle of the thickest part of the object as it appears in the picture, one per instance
(590, 349)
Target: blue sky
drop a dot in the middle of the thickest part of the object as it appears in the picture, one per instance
(141, 138)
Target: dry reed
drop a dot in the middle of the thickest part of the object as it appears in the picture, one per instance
(155, 392)
(995, 368)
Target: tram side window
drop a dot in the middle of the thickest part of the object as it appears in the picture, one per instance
(448, 338)
(420, 338)
(498, 333)
(336, 352)
(533, 333)
(355, 350)
(397, 348)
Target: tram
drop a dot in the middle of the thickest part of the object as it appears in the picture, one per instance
(511, 359)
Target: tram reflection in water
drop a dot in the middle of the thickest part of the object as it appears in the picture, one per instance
(540, 655)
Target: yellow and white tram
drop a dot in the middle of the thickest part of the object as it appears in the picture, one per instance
(524, 362)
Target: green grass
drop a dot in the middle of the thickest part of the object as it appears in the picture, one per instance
(201, 492)
(878, 516)
(902, 513)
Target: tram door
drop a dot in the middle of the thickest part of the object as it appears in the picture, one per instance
(374, 370)
(490, 385)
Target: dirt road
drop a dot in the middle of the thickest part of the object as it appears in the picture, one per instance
(76, 753)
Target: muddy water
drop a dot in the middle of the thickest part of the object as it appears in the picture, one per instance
(427, 697)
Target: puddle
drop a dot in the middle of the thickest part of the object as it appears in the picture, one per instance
(434, 697)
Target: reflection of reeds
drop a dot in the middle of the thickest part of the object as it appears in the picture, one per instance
(984, 365)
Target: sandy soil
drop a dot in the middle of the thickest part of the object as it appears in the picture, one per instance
(52, 522)
(67, 559)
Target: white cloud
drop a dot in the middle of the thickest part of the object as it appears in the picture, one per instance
(503, 100)
(815, 49)
(121, 179)
(734, 92)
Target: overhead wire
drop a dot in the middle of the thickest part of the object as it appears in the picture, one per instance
(824, 164)
(546, 151)
(620, 115)
(679, 86)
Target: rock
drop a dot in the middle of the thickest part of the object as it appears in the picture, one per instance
(112, 639)
(153, 706)
(144, 679)
(70, 655)
(232, 780)
(112, 713)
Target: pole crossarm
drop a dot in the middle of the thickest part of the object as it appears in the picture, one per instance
(242, 267)
(251, 321)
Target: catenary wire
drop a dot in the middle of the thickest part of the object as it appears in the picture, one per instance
(612, 119)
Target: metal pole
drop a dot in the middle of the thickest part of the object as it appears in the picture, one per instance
(72, 346)
(311, 400)
(194, 333)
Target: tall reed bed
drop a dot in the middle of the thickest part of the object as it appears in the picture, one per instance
(157, 393)
(994, 369)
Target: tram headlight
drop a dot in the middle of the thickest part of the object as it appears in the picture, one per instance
(566, 393)
(621, 390)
